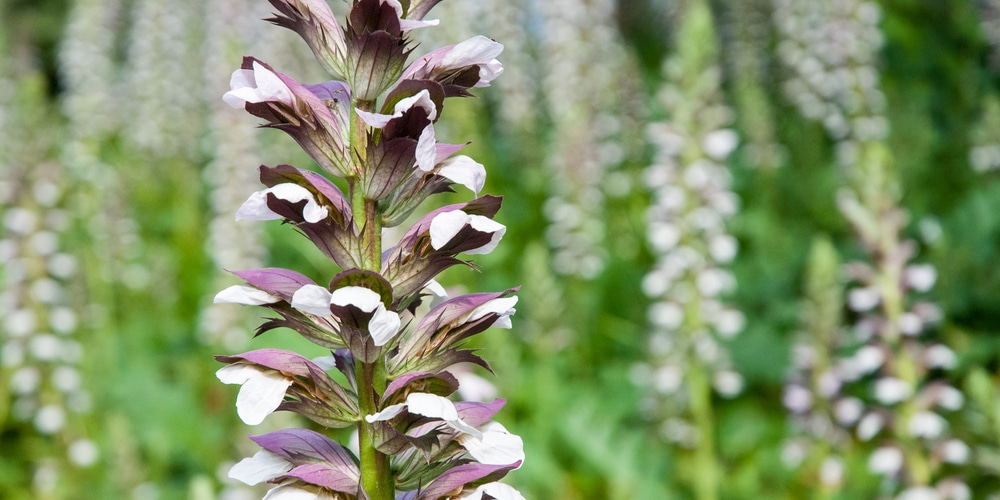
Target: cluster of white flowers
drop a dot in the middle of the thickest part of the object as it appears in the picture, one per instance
(878, 383)
(163, 87)
(691, 203)
(830, 50)
(39, 358)
(586, 78)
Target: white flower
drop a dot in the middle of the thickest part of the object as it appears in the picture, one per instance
(421, 99)
(428, 405)
(954, 451)
(797, 398)
(869, 426)
(940, 356)
(926, 424)
(263, 466)
(728, 383)
(863, 299)
(245, 295)
(950, 398)
(719, 143)
(847, 410)
(261, 391)
(892, 390)
(885, 461)
(255, 208)
(499, 491)
(256, 85)
(504, 306)
(920, 277)
(312, 299)
(463, 170)
(384, 324)
(476, 50)
(438, 293)
(446, 225)
(316, 300)
(495, 447)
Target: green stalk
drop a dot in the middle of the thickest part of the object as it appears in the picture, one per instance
(706, 469)
(376, 475)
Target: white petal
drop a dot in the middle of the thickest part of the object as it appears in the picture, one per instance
(290, 492)
(269, 86)
(255, 208)
(245, 295)
(384, 325)
(465, 171)
(294, 193)
(261, 392)
(312, 299)
(498, 491)
(241, 86)
(497, 447)
(504, 306)
(387, 414)
(422, 99)
(445, 226)
(434, 406)
(406, 24)
(427, 149)
(263, 466)
(438, 293)
(486, 225)
(357, 296)
(489, 72)
(476, 50)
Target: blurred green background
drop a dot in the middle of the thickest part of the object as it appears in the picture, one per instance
(120, 169)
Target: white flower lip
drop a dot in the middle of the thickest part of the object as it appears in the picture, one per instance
(464, 170)
(263, 466)
(421, 99)
(255, 208)
(244, 295)
(496, 447)
(428, 405)
(445, 226)
(312, 299)
(261, 392)
(256, 85)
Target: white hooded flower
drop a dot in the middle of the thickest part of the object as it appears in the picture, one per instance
(263, 466)
(428, 405)
(257, 85)
(245, 295)
(496, 447)
(445, 226)
(255, 208)
(261, 391)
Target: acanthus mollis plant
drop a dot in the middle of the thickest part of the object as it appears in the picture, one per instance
(372, 127)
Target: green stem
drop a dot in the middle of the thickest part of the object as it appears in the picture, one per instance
(706, 474)
(376, 474)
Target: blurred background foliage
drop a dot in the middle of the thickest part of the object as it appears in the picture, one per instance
(120, 171)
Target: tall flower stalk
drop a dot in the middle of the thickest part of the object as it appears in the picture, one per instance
(892, 367)
(372, 127)
(687, 231)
